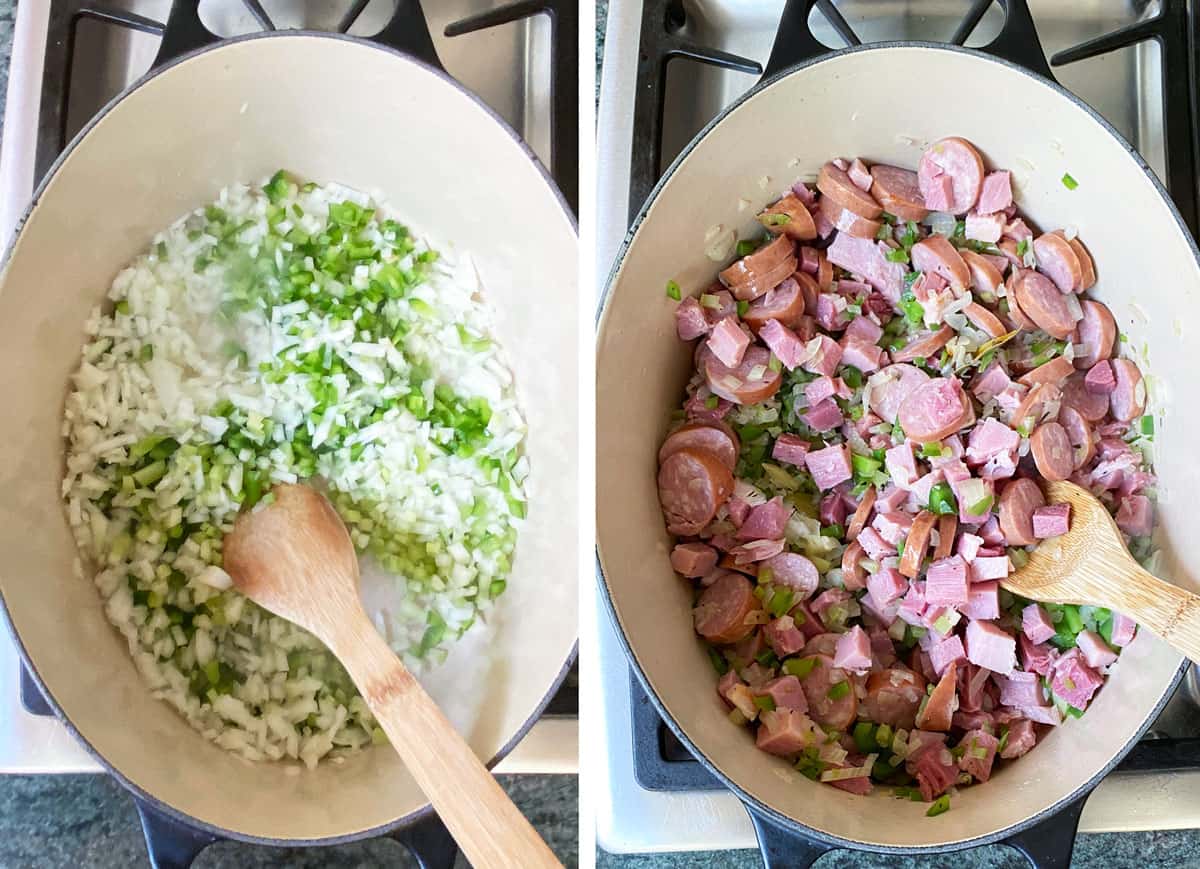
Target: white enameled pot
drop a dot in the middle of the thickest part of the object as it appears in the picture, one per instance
(847, 104)
(330, 109)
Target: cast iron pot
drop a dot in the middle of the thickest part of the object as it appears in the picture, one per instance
(329, 108)
(849, 103)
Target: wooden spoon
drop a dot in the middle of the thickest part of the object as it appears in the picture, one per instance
(1090, 565)
(294, 557)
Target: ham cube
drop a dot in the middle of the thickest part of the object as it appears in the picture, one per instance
(1074, 681)
(824, 360)
(986, 567)
(738, 509)
(996, 192)
(1123, 629)
(728, 342)
(863, 329)
(690, 322)
(693, 559)
(875, 546)
(983, 601)
(819, 389)
(1037, 657)
(1095, 651)
(935, 769)
(1021, 689)
(862, 355)
(989, 646)
(993, 381)
(893, 527)
(901, 464)
(766, 521)
(1135, 516)
(784, 343)
(833, 509)
(946, 652)
(810, 260)
(785, 732)
(831, 312)
(989, 439)
(1042, 714)
(1051, 521)
(829, 466)
(725, 685)
(783, 636)
(791, 449)
(886, 586)
(853, 650)
(825, 416)
(985, 227)
(866, 258)
(939, 195)
(946, 582)
(1018, 231)
(1036, 624)
(1021, 738)
(912, 605)
(786, 692)
(1100, 378)
(968, 547)
(892, 498)
(979, 752)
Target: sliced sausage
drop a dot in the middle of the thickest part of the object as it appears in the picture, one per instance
(1029, 411)
(737, 384)
(1091, 405)
(757, 273)
(784, 303)
(837, 186)
(799, 225)
(1095, 333)
(714, 437)
(925, 347)
(854, 575)
(893, 697)
(957, 158)
(898, 191)
(795, 571)
(890, 386)
(1128, 400)
(1087, 268)
(809, 288)
(846, 220)
(937, 254)
(985, 320)
(1055, 371)
(862, 513)
(1015, 314)
(1052, 453)
(821, 644)
(936, 410)
(947, 528)
(834, 713)
(1017, 503)
(985, 277)
(916, 543)
(723, 613)
(824, 274)
(692, 484)
(939, 708)
(1057, 260)
(1079, 433)
(1042, 302)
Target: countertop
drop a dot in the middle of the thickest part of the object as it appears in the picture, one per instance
(49, 822)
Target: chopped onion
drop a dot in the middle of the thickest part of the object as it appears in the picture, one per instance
(756, 617)
(719, 243)
(831, 752)
(851, 772)
(748, 493)
(1070, 232)
(1073, 307)
(757, 372)
(941, 223)
(900, 743)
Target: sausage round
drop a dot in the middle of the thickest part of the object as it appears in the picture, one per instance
(898, 191)
(947, 527)
(985, 320)
(714, 437)
(692, 484)
(837, 186)
(809, 288)
(1041, 301)
(1052, 451)
(1087, 268)
(939, 709)
(854, 575)
(756, 273)
(893, 697)
(890, 386)
(846, 220)
(824, 273)
(799, 226)
(1096, 332)
(861, 513)
(1015, 314)
(957, 158)
(1017, 503)
(735, 384)
(936, 410)
(1055, 371)
(985, 277)
(784, 303)
(916, 543)
(1057, 260)
(937, 254)
(722, 615)
(1091, 405)
(1083, 442)
(795, 571)
(830, 713)
(1128, 400)
(924, 347)
(1029, 411)
(821, 644)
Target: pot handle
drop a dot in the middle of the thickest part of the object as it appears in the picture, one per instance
(1017, 41)
(429, 842)
(171, 844)
(784, 849)
(1048, 844)
(407, 31)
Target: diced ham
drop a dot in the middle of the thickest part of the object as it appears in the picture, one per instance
(893, 526)
(1042, 714)
(891, 498)
(785, 691)
(784, 343)
(1095, 651)
(863, 329)
(983, 601)
(828, 599)
(790, 448)
(1135, 516)
(979, 752)
(1052, 520)
(698, 410)
(785, 732)
(945, 652)
(853, 651)
(693, 559)
(829, 466)
(946, 582)
(860, 174)
(936, 771)
(1021, 738)
(728, 342)
(823, 417)
(988, 567)
(690, 322)
(1036, 624)
(989, 439)
(819, 389)
(725, 685)
(866, 258)
(864, 356)
(912, 605)
(1021, 689)
(993, 381)
(766, 521)
(809, 259)
(1018, 231)
(875, 546)
(885, 586)
(825, 358)
(968, 547)
(996, 193)
(756, 550)
(738, 509)
(831, 313)
(989, 646)
(1074, 681)
(832, 509)
(985, 227)
(783, 636)
(1123, 629)
(1037, 657)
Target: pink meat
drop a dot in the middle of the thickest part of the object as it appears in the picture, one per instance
(1095, 651)
(728, 342)
(890, 386)
(1037, 657)
(863, 329)
(810, 260)
(945, 652)
(993, 381)
(819, 389)
(790, 448)
(783, 636)
(1021, 738)
(860, 174)
(985, 227)
(946, 582)
(1100, 378)
(693, 559)
(794, 571)
(901, 464)
(756, 550)
(825, 416)
(690, 322)
(853, 650)
(1036, 624)
(991, 438)
(875, 546)
(989, 646)
(784, 732)
(936, 771)
(1021, 689)
(886, 586)
(784, 343)
(935, 410)
(979, 753)
(829, 466)
(986, 567)
(766, 521)
(831, 312)
(785, 691)
(1052, 520)
(893, 527)
(1018, 231)
(1135, 516)
(1074, 681)
(996, 192)
(697, 408)
(866, 258)
(968, 546)
(864, 356)
(833, 509)
(825, 359)
(983, 601)
(1123, 629)
(939, 192)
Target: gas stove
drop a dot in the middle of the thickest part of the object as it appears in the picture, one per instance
(670, 66)
(70, 57)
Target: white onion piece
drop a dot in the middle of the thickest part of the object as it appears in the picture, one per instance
(748, 493)
(851, 772)
(1070, 232)
(719, 243)
(831, 752)
(1073, 307)
(941, 223)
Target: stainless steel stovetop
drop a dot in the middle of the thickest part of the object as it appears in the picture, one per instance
(1125, 85)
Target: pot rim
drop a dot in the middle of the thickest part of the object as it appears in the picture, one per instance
(138, 792)
(752, 803)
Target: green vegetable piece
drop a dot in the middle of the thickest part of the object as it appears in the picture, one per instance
(838, 690)
(942, 501)
(718, 661)
(864, 737)
(1069, 182)
(765, 703)
(747, 246)
(800, 667)
(939, 807)
(673, 291)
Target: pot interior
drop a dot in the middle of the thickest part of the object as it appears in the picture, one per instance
(327, 109)
(1148, 275)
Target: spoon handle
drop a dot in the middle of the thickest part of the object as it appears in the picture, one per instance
(489, 829)
(1168, 610)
